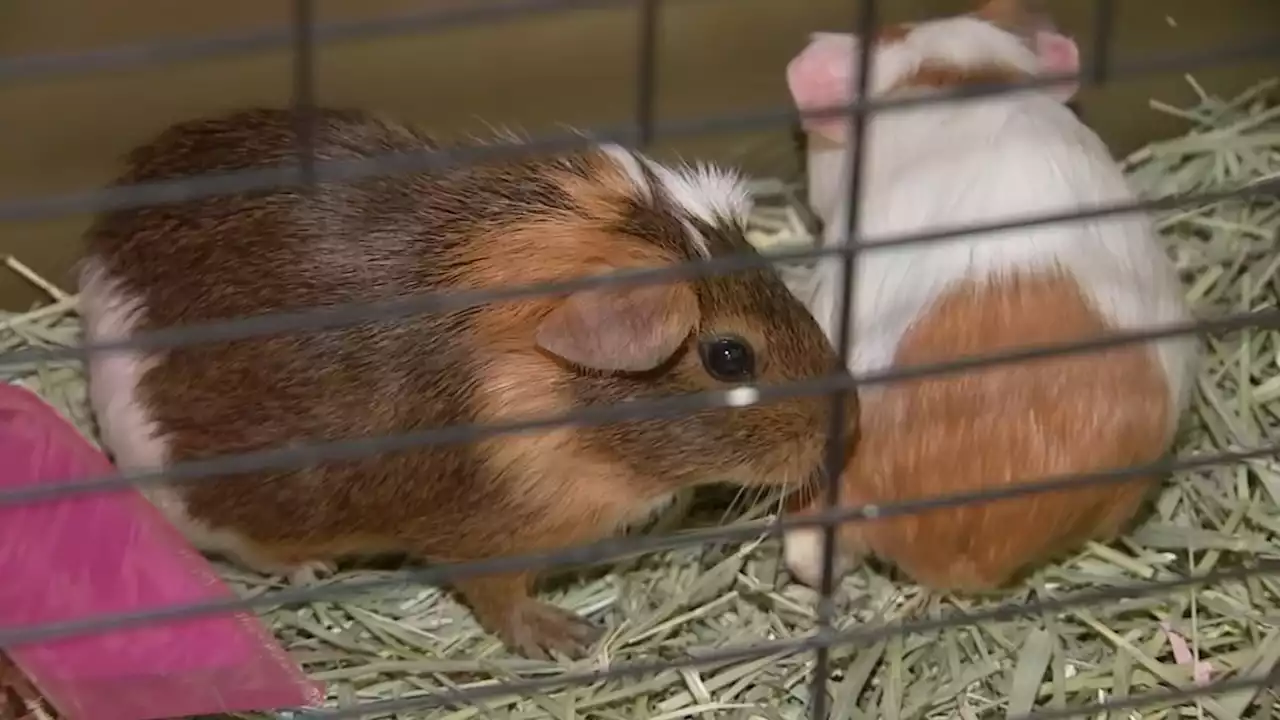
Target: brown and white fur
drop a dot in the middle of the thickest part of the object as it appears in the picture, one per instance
(976, 162)
(499, 224)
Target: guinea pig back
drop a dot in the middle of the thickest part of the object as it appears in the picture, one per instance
(499, 224)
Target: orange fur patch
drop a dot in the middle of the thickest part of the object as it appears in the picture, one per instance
(546, 251)
(936, 75)
(585, 496)
(550, 467)
(1001, 426)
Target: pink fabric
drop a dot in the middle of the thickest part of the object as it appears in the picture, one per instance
(106, 553)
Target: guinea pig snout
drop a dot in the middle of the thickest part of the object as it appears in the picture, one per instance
(802, 461)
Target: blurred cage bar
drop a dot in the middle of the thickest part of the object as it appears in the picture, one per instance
(306, 38)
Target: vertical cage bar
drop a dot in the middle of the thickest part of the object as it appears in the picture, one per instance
(304, 89)
(865, 30)
(1104, 23)
(646, 71)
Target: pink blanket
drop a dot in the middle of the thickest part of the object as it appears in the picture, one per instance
(112, 552)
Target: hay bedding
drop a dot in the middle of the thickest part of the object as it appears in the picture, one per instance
(412, 640)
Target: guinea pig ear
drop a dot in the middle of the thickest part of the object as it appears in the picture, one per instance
(1059, 55)
(620, 329)
(820, 78)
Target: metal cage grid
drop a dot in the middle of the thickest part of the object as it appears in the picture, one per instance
(303, 36)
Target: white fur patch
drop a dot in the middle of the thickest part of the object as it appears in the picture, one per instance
(109, 316)
(127, 431)
(714, 195)
(984, 162)
(696, 239)
(962, 42)
(802, 554)
(632, 165)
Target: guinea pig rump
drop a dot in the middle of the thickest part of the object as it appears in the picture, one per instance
(1000, 426)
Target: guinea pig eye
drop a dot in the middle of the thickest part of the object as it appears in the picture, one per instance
(728, 358)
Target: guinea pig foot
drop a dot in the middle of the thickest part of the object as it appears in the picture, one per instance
(536, 629)
(802, 553)
(265, 561)
(310, 572)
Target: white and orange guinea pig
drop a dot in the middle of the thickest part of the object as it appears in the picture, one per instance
(974, 163)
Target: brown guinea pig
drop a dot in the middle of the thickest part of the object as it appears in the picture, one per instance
(500, 224)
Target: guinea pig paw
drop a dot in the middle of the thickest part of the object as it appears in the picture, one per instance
(311, 572)
(802, 553)
(537, 629)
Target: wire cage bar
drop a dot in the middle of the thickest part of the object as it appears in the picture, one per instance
(306, 36)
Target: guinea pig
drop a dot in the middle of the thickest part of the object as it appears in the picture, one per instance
(980, 162)
(500, 223)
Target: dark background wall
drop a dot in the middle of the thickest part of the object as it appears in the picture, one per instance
(66, 132)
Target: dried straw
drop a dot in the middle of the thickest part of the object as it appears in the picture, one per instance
(412, 640)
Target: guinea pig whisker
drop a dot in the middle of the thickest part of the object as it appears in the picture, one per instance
(736, 505)
(711, 548)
